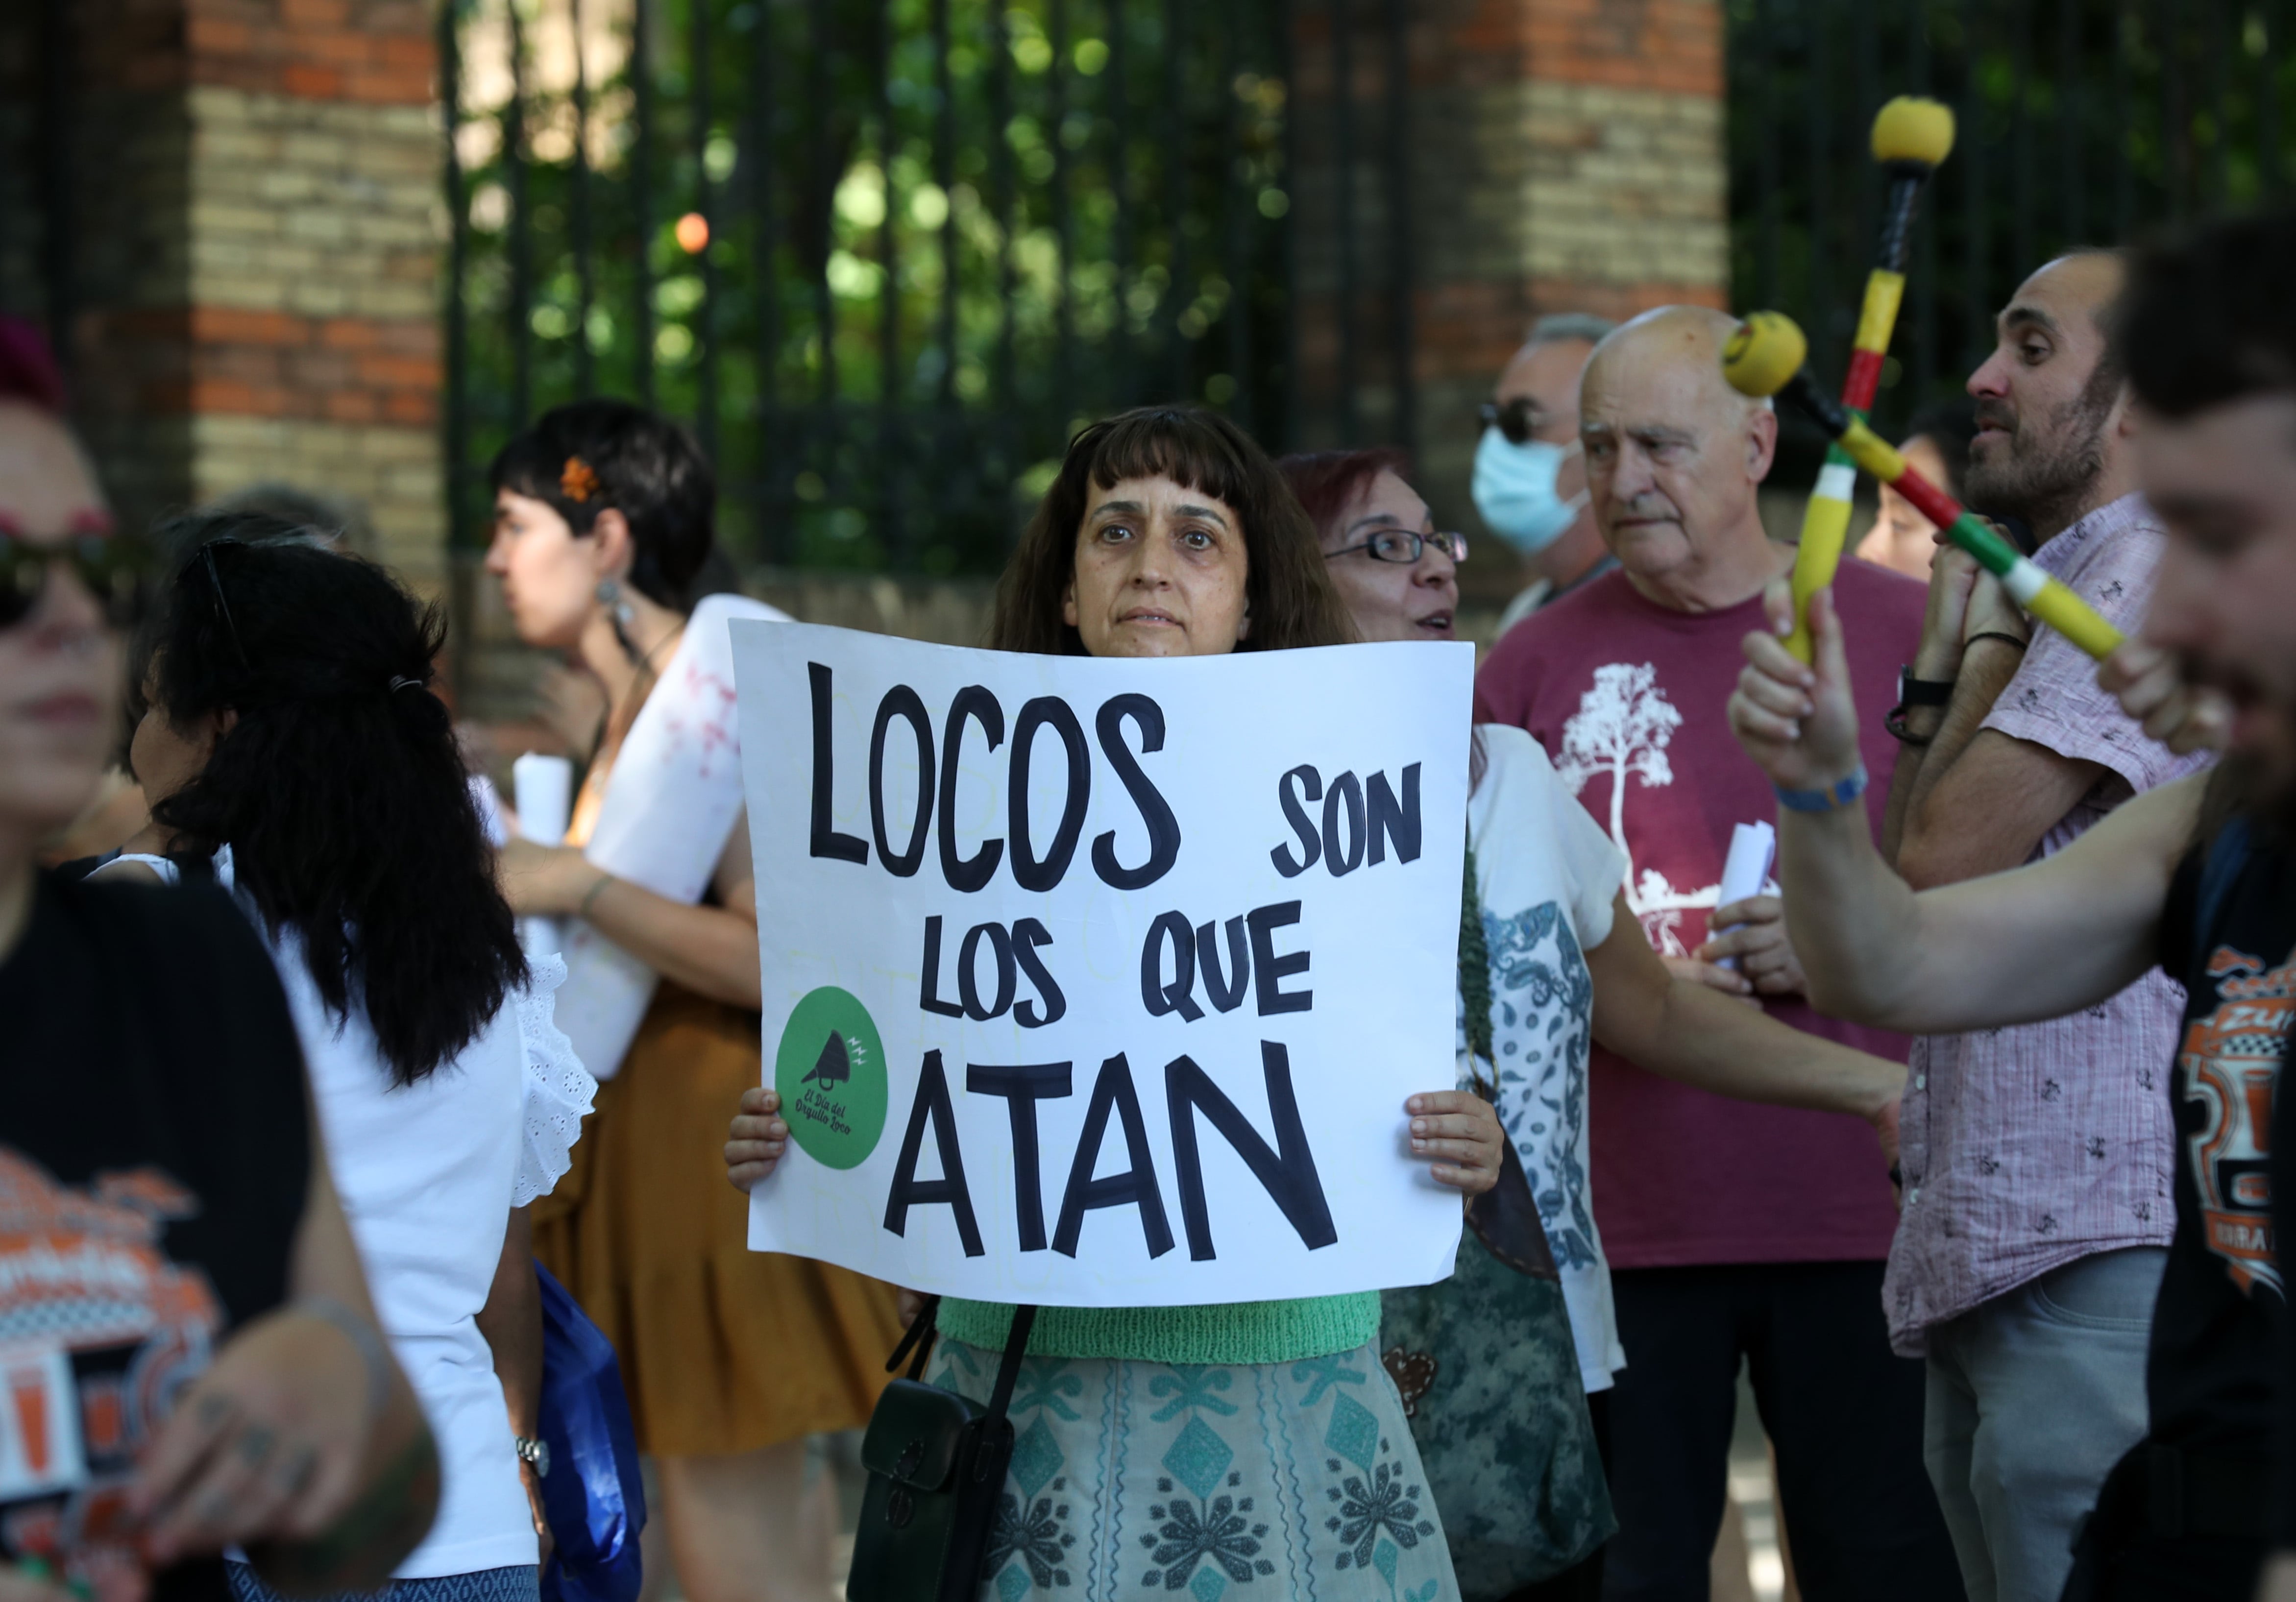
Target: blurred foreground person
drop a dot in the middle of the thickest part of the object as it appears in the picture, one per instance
(602, 524)
(294, 754)
(191, 1358)
(2196, 877)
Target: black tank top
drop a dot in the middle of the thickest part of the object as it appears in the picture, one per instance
(2226, 933)
(153, 1166)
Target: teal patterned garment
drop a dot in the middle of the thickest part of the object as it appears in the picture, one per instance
(1294, 1482)
(1502, 1430)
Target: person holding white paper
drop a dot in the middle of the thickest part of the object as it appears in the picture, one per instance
(603, 519)
(1249, 1439)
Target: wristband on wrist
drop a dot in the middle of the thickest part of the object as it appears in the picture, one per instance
(1923, 693)
(1834, 797)
(1894, 726)
(1995, 633)
(363, 1335)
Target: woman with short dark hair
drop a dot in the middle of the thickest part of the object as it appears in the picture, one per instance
(603, 519)
(1182, 1450)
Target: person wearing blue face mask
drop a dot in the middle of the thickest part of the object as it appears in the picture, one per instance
(1529, 484)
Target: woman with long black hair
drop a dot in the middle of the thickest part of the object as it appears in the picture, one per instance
(294, 753)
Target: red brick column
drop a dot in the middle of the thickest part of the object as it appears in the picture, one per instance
(260, 242)
(1564, 155)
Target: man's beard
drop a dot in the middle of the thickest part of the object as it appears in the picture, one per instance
(2046, 483)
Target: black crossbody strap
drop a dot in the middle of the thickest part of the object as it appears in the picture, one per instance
(1008, 1372)
(917, 1339)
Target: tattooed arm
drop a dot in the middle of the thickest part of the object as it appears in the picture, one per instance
(303, 1442)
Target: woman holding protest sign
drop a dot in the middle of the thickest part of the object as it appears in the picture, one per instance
(1566, 964)
(603, 521)
(1186, 1448)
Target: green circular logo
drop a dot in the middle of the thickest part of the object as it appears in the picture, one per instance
(830, 1070)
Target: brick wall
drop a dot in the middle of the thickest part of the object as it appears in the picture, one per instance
(1564, 155)
(256, 239)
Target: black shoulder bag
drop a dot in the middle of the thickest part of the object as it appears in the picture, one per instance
(935, 1463)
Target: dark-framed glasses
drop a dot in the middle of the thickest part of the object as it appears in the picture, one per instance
(1518, 419)
(114, 567)
(1403, 545)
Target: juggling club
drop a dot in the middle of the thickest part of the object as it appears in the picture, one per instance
(1766, 356)
(1911, 138)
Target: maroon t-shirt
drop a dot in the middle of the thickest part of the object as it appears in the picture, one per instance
(1628, 697)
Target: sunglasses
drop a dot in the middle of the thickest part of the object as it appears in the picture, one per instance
(113, 568)
(1514, 419)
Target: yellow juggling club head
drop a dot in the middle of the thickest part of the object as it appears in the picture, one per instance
(1910, 128)
(1763, 355)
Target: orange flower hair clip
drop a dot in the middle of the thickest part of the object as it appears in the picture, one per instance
(578, 481)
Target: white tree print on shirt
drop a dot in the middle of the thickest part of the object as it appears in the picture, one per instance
(1622, 728)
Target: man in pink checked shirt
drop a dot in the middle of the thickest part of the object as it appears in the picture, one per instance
(2036, 1159)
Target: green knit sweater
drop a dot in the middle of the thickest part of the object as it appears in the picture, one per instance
(1226, 1333)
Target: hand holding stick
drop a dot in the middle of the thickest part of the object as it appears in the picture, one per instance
(1911, 138)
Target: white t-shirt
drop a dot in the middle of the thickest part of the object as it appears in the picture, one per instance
(427, 1175)
(1546, 874)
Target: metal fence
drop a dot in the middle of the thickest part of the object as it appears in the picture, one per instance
(884, 255)
(2081, 122)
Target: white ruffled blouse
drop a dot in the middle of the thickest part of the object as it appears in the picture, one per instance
(428, 1173)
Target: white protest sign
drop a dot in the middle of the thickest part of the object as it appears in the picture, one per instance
(668, 811)
(1102, 983)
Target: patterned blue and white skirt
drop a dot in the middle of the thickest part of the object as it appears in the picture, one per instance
(518, 1583)
(1292, 1482)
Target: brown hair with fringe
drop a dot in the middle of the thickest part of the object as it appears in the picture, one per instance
(1329, 482)
(1291, 598)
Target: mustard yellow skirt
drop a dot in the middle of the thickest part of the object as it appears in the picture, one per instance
(722, 1349)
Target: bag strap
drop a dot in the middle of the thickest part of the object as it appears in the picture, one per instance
(1008, 1372)
(2219, 872)
(917, 1339)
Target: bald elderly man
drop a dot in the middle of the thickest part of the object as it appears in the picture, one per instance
(1734, 1230)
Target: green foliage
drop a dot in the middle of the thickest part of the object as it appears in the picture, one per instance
(980, 295)
(2081, 122)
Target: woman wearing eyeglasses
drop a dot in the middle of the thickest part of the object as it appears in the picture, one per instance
(1521, 1492)
(191, 1358)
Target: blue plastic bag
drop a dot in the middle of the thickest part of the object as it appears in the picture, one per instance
(593, 1497)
